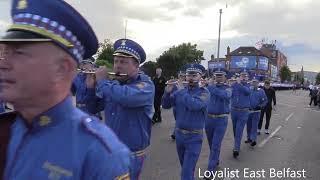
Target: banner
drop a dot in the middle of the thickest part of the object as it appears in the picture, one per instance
(263, 63)
(216, 65)
(244, 62)
(274, 71)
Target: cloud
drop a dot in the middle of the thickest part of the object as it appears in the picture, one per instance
(160, 24)
(4, 16)
(195, 12)
(147, 14)
(204, 4)
(300, 48)
(172, 5)
(286, 20)
(106, 17)
(302, 55)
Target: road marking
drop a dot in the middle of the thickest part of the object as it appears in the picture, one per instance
(269, 137)
(287, 119)
(274, 132)
(286, 104)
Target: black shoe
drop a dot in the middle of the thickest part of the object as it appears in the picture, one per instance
(154, 119)
(173, 137)
(248, 141)
(235, 153)
(253, 143)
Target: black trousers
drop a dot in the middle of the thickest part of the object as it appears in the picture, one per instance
(267, 110)
(157, 110)
(314, 99)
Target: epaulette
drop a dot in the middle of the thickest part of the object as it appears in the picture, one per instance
(144, 77)
(6, 120)
(204, 88)
(101, 132)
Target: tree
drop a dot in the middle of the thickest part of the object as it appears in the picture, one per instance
(105, 54)
(318, 78)
(102, 62)
(173, 59)
(285, 74)
(149, 68)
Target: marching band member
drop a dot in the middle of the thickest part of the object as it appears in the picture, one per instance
(127, 100)
(48, 137)
(240, 104)
(217, 121)
(258, 100)
(191, 105)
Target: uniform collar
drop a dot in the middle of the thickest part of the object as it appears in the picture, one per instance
(53, 116)
(132, 79)
(194, 87)
(220, 84)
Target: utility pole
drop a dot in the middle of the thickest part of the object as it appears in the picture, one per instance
(125, 29)
(218, 53)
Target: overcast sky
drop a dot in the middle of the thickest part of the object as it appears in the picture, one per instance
(158, 25)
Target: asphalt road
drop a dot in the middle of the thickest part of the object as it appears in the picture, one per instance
(294, 143)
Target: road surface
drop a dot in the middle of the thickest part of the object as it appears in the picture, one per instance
(294, 143)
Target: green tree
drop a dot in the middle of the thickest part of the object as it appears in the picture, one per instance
(102, 62)
(285, 74)
(175, 57)
(149, 68)
(105, 54)
(318, 78)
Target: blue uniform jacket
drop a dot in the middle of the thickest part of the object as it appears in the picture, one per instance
(220, 97)
(258, 99)
(176, 88)
(240, 95)
(80, 90)
(2, 107)
(65, 143)
(191, 107)
(128, 109)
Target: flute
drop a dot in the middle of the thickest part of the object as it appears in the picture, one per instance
(93, 72)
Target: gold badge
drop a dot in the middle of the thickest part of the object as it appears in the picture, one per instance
(44, 120)
(22, 4)
(56, 172)
(141, 85)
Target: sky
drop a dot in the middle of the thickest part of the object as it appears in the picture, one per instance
(159, 25)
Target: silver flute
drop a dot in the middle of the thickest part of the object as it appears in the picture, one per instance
(94, 71)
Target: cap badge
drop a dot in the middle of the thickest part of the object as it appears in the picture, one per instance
(22, 4)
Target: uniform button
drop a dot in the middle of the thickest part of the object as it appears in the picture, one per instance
(112, 114)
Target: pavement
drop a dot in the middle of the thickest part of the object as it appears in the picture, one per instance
(294, 144)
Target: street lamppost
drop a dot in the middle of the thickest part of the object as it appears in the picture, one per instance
(218, 53)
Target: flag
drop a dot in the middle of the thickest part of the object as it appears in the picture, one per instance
(259, 44)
